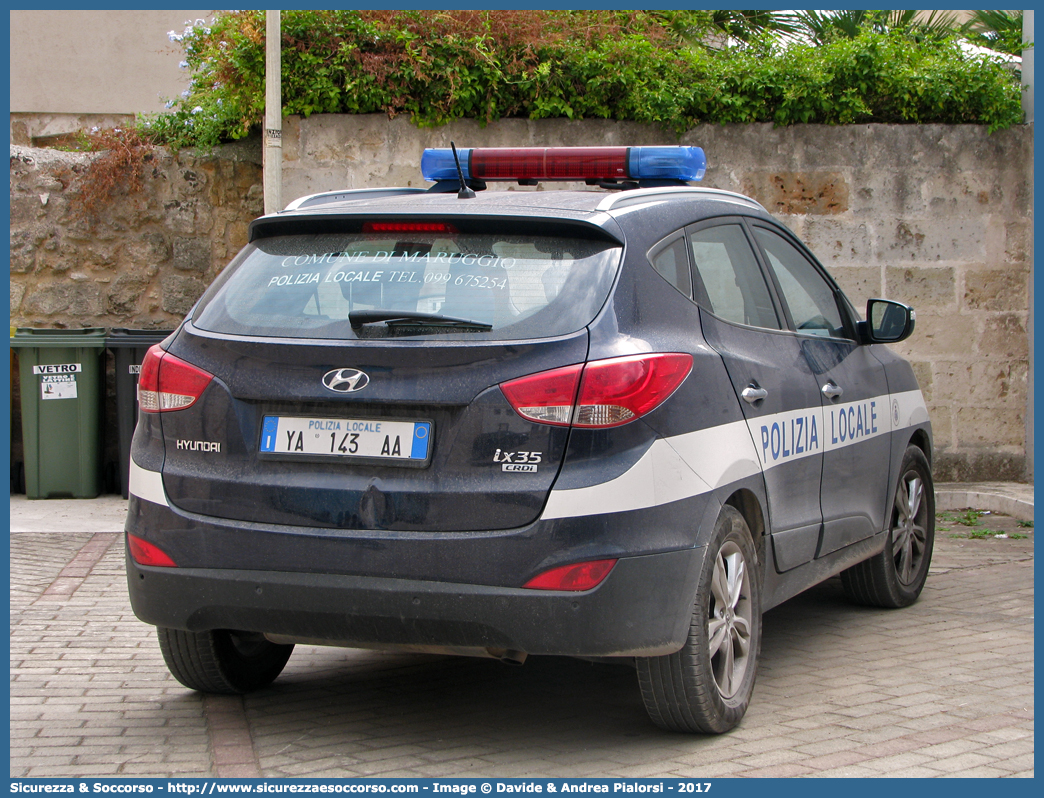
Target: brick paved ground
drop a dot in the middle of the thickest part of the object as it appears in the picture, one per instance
(943, 688)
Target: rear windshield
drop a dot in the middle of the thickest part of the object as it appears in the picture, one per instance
(511, 286)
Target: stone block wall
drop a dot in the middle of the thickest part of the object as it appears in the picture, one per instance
(937, 216)
(146, 257)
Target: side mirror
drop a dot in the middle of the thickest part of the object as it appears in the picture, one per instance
(888, 322)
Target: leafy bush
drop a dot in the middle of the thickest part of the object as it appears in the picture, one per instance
(486, 65)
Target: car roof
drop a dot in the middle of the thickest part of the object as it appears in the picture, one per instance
(592, 207)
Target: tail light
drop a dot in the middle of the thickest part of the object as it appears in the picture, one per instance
(169, 383)
(145, 553)
(547, 397)
(611, 392)
(578, 576)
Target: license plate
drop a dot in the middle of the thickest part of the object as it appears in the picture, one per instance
(346, 437)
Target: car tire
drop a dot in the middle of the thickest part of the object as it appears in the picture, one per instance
(706, 686)
(222, 661)
(895, 577)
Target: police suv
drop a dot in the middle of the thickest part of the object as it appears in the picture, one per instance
(614, 422)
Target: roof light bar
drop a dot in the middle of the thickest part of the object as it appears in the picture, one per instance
(566, 163)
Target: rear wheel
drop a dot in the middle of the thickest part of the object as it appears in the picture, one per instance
(222, 661)
(706, 686)
(895, 577)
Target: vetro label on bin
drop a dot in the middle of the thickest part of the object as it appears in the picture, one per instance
(58, 386)
(63, 368)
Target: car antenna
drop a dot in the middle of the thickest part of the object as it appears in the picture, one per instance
(465, 192)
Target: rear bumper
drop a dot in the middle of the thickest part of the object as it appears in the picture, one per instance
(641, 609)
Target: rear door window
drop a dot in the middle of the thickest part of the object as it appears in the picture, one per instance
(731, 281)
(305, 286)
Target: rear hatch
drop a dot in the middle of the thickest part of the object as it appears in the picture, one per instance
(356, 372)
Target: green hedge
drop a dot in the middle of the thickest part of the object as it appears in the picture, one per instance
(439, 66)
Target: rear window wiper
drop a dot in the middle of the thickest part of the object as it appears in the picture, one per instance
(414, 318)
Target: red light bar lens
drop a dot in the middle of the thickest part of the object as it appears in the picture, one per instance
(576, 577)
(550, 163)
(145, 553)
(408, 227)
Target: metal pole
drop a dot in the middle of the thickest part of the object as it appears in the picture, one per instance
(1027, 107)
(273, 162)
(1027, 66)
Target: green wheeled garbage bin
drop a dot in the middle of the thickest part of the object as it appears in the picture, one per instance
(128, 350)
(62, 377)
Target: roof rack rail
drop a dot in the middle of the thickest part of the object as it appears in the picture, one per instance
(329, 197)
(639, 195)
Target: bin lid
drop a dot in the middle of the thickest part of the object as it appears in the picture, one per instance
(41, 338)
(123, 337)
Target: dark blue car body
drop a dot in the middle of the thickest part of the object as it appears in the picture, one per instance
(434, 554)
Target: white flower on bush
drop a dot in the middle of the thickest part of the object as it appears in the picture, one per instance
(197, 109)
(183, 65)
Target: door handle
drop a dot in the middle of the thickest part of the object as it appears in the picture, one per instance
(833, 390)
(752, 394)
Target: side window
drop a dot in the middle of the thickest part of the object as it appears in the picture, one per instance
(810, 298)
(672, 264)
(732, 280)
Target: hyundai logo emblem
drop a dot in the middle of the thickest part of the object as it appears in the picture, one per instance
(345, 380)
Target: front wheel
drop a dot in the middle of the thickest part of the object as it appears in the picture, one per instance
(222, 661)
(706, 686)
(895, 577)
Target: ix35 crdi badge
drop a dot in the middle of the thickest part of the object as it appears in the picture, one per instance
(345, 380)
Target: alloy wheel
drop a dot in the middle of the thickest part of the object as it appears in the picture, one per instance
(909, 530)
(730, 624)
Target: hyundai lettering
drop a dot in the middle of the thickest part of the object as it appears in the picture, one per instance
(618, 422)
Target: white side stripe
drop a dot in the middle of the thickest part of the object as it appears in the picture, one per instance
(659, 477)
(684, 466)
(908, 409)
(720, 455)
(672, 469)
(147, 485)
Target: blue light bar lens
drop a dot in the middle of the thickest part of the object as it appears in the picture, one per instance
(667, 163)
(438, 164)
